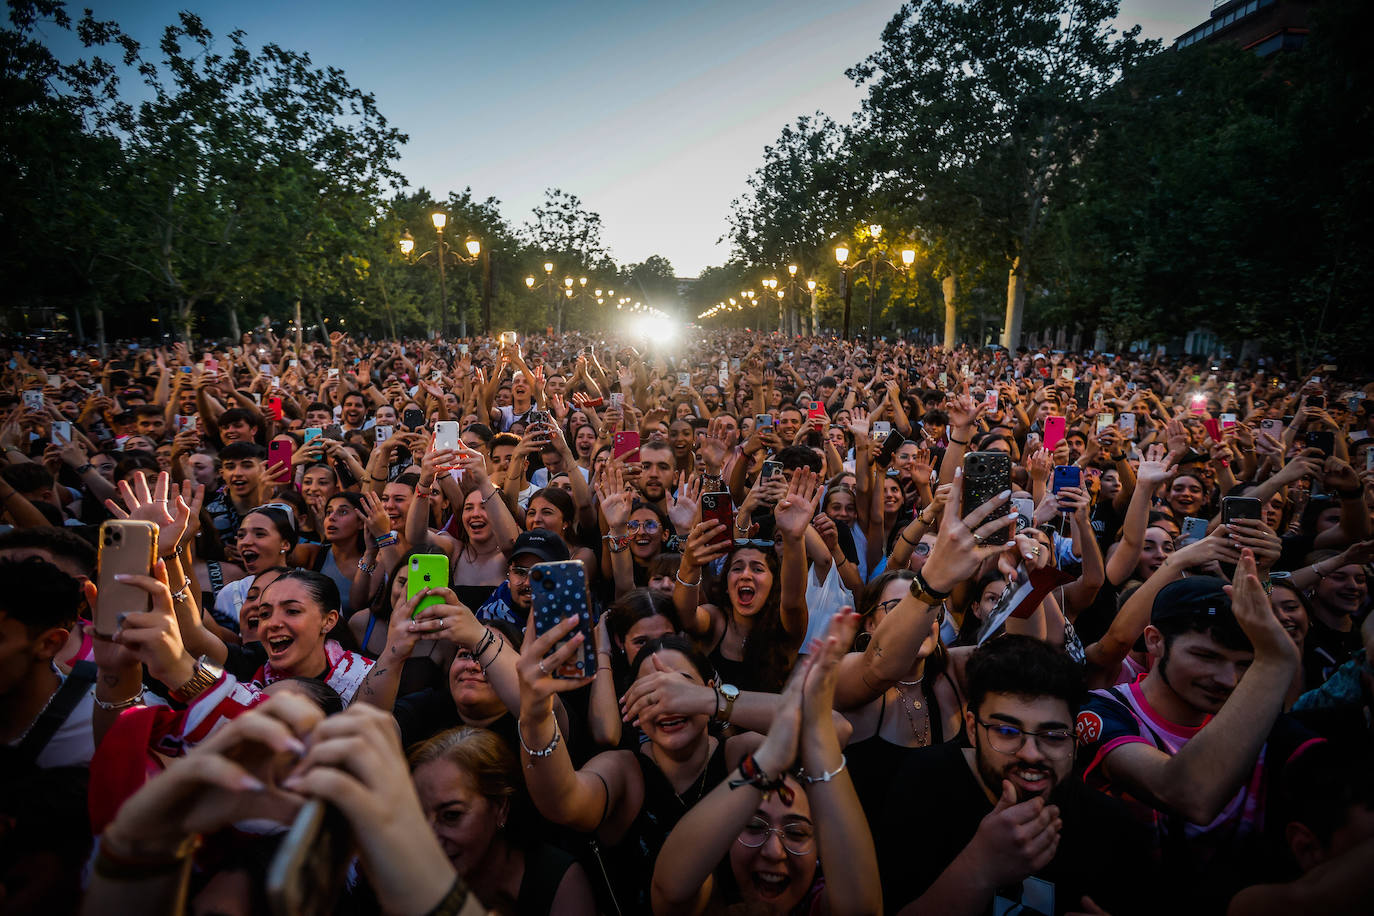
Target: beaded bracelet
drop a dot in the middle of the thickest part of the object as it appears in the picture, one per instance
(544, 752)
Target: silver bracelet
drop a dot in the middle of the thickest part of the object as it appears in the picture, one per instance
(135, 700)
(181, 593)
(547, 751)
(824, 777)
(677, 575)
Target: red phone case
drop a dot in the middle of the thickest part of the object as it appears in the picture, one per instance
(625, 444)
(281, 450)
(1213, 429)
(274, 406)
(718, 507)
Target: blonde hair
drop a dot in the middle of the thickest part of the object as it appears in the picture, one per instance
(479, 753)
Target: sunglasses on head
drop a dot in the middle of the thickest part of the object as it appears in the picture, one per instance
(280, 507)
(760, 543)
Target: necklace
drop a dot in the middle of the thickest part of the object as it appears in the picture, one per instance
(911, 707)
(699, 783)
(34, 722)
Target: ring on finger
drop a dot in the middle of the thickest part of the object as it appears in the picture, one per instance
(542, 669)
(979, 540)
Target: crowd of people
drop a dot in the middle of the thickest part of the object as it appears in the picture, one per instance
(832, 627)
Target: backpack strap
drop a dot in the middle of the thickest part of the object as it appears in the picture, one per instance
(76, 686)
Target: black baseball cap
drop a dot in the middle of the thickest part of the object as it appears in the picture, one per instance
(545, 545)
(1200, 597)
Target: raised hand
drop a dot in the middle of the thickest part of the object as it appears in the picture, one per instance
(795, 510)
(960, 548)
(1256, 616)
(156, 507)
(687, 507)
(539, 659)
(613, 497)
(714, 447)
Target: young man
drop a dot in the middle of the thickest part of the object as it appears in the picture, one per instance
(657, 466)
(241, 466)
(511, 601)
(1193, 747)
(1004, 823)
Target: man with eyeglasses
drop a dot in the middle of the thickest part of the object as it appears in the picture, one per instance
(1002, 826)
(511, 601)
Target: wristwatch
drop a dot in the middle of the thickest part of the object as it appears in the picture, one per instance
(730, 693)
(205, 676)
(921, 590)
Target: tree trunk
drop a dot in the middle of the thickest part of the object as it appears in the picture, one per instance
(951, 290)
(100, 330)
(234, 322)
(184, 321)
(1016, 303)
(299, 329)
(815, 316)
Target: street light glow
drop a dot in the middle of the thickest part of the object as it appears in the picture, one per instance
(568, 282)
(811, 284)
(908, 256)
(875, 230)
(582, 281)
(792, 269)
(407, 243)
(548, 267)
(474, 247)
(440, 220)
(841, 254)
(529, 281)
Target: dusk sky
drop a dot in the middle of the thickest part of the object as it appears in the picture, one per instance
(655, 114)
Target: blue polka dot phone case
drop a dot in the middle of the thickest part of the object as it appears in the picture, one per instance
(558, 591)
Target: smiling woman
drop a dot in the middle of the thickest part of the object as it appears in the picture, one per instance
(295, 614)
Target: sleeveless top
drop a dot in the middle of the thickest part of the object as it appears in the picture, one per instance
(730, 671)
(326, 564)
(545, 866)
(874, 762)
(633, 857)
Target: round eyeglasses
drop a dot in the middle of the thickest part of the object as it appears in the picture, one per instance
(797, 838)
(1008, 739)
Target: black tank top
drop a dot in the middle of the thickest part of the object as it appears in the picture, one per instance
(874, 762)
(635, 854)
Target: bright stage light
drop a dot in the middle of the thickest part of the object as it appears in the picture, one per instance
(651, 326)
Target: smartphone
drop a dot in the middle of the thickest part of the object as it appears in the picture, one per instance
(381, 433)
(1234, 507)
(127, 547)
(1025, 510)
(1323, 439)
(1105, 420)
(684, 379)
(770, 469)
(446, 435)
(1273, 428)
(1316, 401)
(1066, 475)
(33, 399)
(1193, 530)
(334, 431)
(734, 364)
(274, 407)
(986, 475)
(893, 442)
(265, 368)
(61, 432)
(312, 432)
(913, 375)
(309, 867)
(1369, 459)
(1081, 389)
(817, 417)
(1066, 373)
(462, 349)
(293, 363)
(413, 419)
(763, 421)
(1213, 428)
(427, 570)
(722, 378)
(625, 445)
(1198, 404)
(559, 590)
(717, 507)
(944, 379)
(538, 416)
(185, 370)
(880, 431)
(1054, 432)
(281, 450)
(509, 338)
(990, 399)
(1127, 423)
(1228, 420)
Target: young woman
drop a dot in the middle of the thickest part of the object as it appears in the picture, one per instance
(629, 799)
(296, 615)
(344, 518)
(759, 845)
(266, 539)
(923, 706)
(472, 793)
(754, 617)
(553, 510)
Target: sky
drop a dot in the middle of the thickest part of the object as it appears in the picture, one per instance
(653, 113)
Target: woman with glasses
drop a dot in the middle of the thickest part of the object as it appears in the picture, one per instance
(758, 840)
(636, 533)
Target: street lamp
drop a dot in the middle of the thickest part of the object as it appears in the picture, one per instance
(873, 259)
(441, 251)
(571, 288)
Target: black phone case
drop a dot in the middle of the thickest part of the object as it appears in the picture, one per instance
(986, 475)
(413, 419)
(559, 590)
(1235, 507)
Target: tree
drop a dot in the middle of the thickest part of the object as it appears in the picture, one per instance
(974, 108)
(563, 229)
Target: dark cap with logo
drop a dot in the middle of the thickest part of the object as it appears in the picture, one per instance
(1198, 597)
(545, 545)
